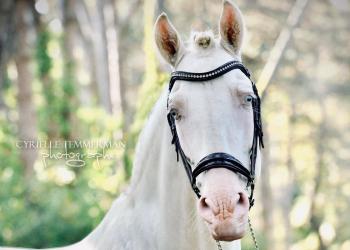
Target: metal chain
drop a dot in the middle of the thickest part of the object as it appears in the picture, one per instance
(219, 245)
(253, 234)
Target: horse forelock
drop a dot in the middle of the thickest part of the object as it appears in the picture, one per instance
(203, 40)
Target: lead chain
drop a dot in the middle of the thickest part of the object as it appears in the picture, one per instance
(219, 245)
(253, 234)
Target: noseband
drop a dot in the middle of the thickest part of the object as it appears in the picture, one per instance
(219, 159)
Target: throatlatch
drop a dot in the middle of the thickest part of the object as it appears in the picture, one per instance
(219, 159)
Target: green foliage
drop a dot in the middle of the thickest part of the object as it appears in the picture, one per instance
(47, 111)
(55, 115)
(42, 57)
(11, 178)
(59, 218)
(56, 206)
(61, 203)
(68, 95)
(6, 81)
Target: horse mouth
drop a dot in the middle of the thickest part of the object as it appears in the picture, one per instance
(227, 230)
(226, 237)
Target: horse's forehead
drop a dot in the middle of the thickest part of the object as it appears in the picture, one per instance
(216, 91)
(234, 80)
(204, 60)
(207, 60)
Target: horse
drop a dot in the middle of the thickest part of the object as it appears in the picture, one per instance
(214, 121)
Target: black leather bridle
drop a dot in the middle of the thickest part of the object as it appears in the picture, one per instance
(219, 159)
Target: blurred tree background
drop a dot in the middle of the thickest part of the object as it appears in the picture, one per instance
(86, 70)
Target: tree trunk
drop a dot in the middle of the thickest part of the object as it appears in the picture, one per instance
(320, 143)
(266, 193)
(123, 28)
(161, 7)
(101, 56)
(116, 93)
(7, 8)
(70, 86)
(290, 184)
(280, 46)
(44, 65)
(86, 35)
(315, 219)
(27, 124)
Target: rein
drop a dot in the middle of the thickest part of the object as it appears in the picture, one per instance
(219, 159)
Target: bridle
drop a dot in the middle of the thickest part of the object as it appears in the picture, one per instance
(220, 159)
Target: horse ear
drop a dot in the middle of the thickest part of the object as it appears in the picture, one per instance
(167, 39)
(231, 28)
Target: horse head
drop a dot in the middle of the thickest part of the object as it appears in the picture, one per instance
(214, 120)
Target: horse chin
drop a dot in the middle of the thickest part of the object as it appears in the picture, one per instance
(227, 230)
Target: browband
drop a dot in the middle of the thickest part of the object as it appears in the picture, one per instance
(206, 76)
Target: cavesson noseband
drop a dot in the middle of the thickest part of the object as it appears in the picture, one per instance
(219, 159)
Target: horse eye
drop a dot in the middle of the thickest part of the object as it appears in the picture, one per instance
(248, 99)
(174, 113)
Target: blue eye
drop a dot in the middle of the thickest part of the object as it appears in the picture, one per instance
(248, 99)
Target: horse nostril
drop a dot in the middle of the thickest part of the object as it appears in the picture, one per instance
(203, 204)
(243, 199)
(207, 209)
(240, 200)
(207, 206)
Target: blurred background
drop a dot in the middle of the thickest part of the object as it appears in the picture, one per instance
(86, 71)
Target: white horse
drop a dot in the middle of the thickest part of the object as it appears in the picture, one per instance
(160, 211)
